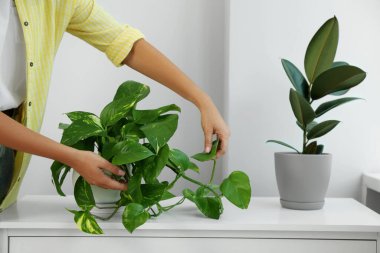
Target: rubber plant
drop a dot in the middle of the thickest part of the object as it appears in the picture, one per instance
(324, 77)
(137, 141)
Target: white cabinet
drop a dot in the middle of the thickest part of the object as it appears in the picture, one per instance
(41, 224)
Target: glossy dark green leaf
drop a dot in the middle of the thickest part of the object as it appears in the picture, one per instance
(311, 148)
(129, 152)
(83, 194)
(210, 206)
(160, 131)
(336, 79)
(339, 63)
(131, 129)
(86, 222)
(202, 157)
(146, 116)
(153, 165)
(179, 159)
(134, 215)
(321, 50)
(237, 189)
(320, 149)
(152, 193)
(132, 90)
(308, 127)
(298, 80)
(283, 144)
(322, 129)
(302, 110)
(80, 130)
(327, 106)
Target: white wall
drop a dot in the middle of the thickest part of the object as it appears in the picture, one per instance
(190, 32)
(264, 31)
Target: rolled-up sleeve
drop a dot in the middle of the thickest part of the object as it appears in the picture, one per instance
(91, 23)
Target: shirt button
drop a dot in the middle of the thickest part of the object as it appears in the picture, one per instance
(30, 103)
(26, 23)
(31, 64)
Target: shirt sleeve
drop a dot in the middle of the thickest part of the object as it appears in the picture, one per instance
(93, 24)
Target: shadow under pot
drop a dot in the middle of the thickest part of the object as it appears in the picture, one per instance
(302, 179)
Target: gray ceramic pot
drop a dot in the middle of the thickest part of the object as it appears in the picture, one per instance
(302, 180)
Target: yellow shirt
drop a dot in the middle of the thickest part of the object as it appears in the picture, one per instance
(44, 23)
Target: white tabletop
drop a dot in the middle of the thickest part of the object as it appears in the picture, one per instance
(264, 214)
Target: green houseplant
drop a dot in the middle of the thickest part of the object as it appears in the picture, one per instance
(305, 187)
(137, 141)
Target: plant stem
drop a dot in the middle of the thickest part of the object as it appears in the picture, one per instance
(200, 184)
(167, 208)
(213, 171)
(109, 217)
(193, 180)
(174, 181)
(304, 140)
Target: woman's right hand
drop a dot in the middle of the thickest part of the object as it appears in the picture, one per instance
(90, 166)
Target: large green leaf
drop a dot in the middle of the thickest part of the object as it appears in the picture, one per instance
(336, 79)
(82, 129)
(160, 131)
(167, 195)
(152, 193)
(321, 50)
(311, 149)
(210, 206)
(327, 106)
(298, 80)
(322, 129)
(179, 159)
(153, 165)
(83, 194)
(59, 172)
(80, 115)
(301, 108)
(129, 152)
(132, 90)
(116, 110)
(134, 215)
(134, 188)
(283, 144)
(131, 129)
(86, 222)
(146, 116)
(202, 157)
(237, 189)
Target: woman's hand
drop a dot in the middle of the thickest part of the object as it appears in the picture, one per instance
(213, 123)
(90, 166)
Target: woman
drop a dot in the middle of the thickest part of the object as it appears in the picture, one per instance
(38, 26)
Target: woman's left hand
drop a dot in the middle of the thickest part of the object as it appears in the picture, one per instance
(213, 123)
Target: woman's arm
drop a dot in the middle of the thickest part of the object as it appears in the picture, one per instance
(88, 164)
(149, 61)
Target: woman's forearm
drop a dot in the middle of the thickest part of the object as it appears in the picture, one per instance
(18, 137)
(149, 61)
